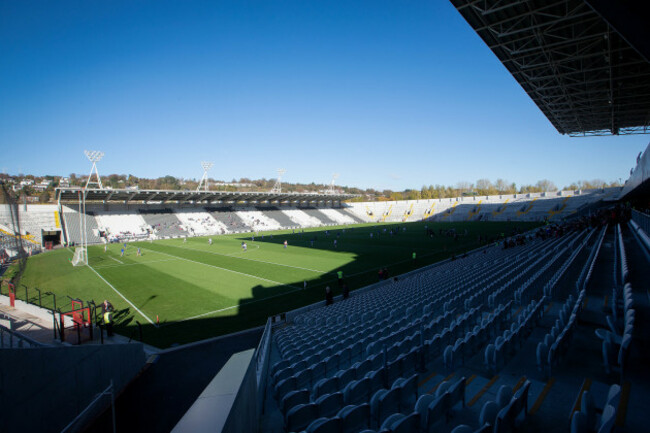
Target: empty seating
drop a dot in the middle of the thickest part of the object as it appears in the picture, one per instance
(365, 353)
(505, 420)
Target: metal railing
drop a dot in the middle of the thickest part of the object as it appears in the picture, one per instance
(642, 220)
(22, 341)
(585, 274)
(261, 358)
(94, 408)
(622, 257)
(641, 237)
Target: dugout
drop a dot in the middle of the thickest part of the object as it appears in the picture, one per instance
(51, 238)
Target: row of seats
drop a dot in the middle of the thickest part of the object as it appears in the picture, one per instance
(505, 345)
(549, 288)
(640, 234)
(360, 380)
(427, 313)
(617, 340)
(366, 331)
(315, 367)
(588, 268)
(557, 342)
(407, 357)
(356, 338)
(528, 290)
(501, 414)
(472, 341)
(415, 415)
(621, 273)
(450, 277)
(384, 400)
(594, 418)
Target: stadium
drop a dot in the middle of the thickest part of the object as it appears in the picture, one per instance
(242, 310)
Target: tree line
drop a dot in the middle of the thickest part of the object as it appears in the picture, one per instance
(481, 187)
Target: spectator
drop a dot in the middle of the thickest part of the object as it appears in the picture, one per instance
(329, 296)
(346, 291)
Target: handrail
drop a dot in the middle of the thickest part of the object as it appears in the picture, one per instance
(563, 268)
(641, 237)
(21, 338)
(622, 257)
(615, 275)
(93, 406)
(262, 358)
(642, 220)
(587, 269)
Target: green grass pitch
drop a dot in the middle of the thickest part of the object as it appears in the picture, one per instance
(196, 290)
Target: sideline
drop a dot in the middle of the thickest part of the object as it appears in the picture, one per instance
(121, 295)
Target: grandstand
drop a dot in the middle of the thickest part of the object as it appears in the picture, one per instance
(35, 219)
(552, 206)
(72, 222)
(143, 220)
(165, 223)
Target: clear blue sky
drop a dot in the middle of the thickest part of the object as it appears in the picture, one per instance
(390, 94)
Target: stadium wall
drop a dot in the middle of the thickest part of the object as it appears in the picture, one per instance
(229, 402)
(43, 389)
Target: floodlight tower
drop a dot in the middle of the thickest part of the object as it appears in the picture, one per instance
(330, 189)
(277, 188)
(94, 156)
(204, 180)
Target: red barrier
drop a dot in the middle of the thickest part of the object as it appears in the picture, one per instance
(12, 294)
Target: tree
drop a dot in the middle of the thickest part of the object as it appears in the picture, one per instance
(463, 186)
(546, 185)
(412, 194)
(425, 193)
(44, 197)
(501, 185)
(484, 187)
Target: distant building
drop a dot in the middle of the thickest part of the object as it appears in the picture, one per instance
(43, 185)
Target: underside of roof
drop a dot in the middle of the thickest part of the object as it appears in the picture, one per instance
(165, 196)
(584, 63)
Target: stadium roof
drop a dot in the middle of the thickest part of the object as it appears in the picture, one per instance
(584, 63)
(162, 196)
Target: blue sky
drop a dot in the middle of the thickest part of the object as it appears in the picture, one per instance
(388, 94)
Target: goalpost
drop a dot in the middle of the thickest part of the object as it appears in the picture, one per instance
(80, 257)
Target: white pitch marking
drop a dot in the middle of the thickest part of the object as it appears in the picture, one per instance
(134, 264)
(235, 306)
(122, 296)
(252, 260)
(116, 259)
(226, 269)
